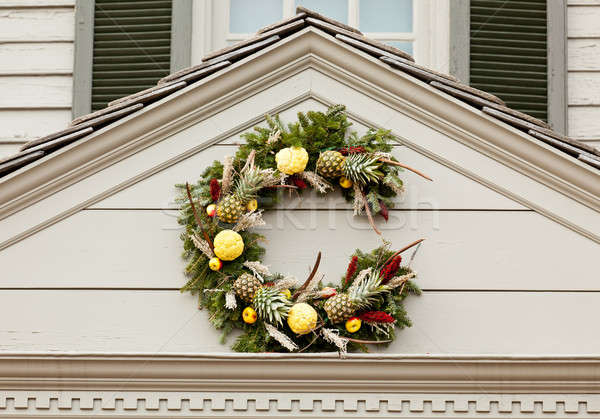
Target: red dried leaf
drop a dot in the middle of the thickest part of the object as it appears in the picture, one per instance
(376, 317)
(215, 189)
(384, 211)
(390, 269)
(351, 268)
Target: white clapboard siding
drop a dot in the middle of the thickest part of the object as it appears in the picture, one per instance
(167, 321)
(37, 24)
(583, 21)
(584, 54)
(24, 125)
(36, 58)
(449, 190)
(584, 88)
(8, 149)
(584, 122)
(35, 3)
(464, 249)
(36, 91)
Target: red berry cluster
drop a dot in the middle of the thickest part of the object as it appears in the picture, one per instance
(352, 150)
(351, 268)
(390, 269)
(376, 317)
(215, 189)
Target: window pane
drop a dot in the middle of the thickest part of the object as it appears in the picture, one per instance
(334, 9)
(248, 16)
(386, 15)
(405, 46)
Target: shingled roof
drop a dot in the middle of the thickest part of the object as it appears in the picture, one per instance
(221, 59)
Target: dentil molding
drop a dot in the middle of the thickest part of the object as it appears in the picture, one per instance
(311, 385)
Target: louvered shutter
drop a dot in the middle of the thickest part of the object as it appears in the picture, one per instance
(509, 52)
(132, 47)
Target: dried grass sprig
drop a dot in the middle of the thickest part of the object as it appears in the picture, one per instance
(280, 337)
(333, 336)
(289, 282)
(249, 220)
(400, 280)
(274, 137)
(202, 245)
(316, 181)
(230, 302)
(227, 180)
(258, 269)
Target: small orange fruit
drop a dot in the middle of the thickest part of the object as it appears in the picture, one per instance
(345, 182)
(249, 315)
(252, 205)
(353, 324)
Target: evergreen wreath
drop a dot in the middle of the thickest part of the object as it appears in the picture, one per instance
(276, 312)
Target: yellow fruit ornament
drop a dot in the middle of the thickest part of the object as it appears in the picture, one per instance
(353, 324)
(228, 245)
(345, 182)
(211, 210)
(215, 264)
(252, 205)
(249, 315)
(302, 318)
(287, 293)
(291, 160)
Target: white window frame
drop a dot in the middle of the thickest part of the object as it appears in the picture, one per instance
(430, 47)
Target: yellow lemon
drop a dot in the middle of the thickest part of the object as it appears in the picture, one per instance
(345, 182)
(291, 160)
(252, 205)
(249, 315)
(353, 324)
(215, 264)
(228, 245)
(287, 293)
(211, 210)
(302, 318)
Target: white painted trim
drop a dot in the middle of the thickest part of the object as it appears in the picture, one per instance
(311, 48)
(315, 372)
(314, 385)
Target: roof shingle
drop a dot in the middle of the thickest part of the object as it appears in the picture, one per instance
(216, 61)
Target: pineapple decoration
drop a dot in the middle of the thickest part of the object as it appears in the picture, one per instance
(246, 286)
(358, 168)
(341, 307)
(271, 304)
(232, 206)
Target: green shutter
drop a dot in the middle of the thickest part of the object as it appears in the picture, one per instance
(509, 52)
(132, 47)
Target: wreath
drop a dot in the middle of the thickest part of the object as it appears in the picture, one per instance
(276, 312)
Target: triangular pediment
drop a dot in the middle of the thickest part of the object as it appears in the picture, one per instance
(310, 64)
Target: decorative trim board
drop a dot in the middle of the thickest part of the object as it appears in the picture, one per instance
(310, 385)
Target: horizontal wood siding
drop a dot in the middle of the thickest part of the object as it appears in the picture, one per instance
(36, 66)
(584, 69)
(498, 277)
(150, 321)
(141, 249)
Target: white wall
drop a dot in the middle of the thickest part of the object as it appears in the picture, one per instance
(36, 68)
(584, 69)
